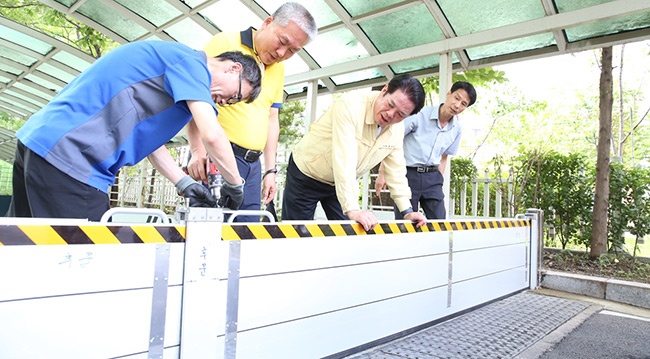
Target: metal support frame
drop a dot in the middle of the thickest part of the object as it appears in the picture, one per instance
(203, 293)
(232, 300)
(159, 302)
(446, 71)
(450, 269)
(536, 249)
(312, 100)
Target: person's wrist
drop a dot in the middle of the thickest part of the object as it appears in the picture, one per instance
(406, 211)
(271, 171)
(184, 183)
(228, 184)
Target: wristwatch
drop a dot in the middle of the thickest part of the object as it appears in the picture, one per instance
(272, 170)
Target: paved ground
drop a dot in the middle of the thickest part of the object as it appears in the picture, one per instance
(531, 325)
(605, 335)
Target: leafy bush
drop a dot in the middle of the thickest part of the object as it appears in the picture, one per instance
(563, 186)
(461, 170)
(629, 203)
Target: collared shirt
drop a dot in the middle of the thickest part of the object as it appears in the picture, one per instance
(425, 141)
(342, 145)
(247, 124)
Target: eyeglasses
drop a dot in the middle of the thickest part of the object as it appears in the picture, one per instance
(233, 100)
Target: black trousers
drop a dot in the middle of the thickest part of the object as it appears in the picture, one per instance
(41, 190)
(251, 173)
(302, 194)
(426, 191)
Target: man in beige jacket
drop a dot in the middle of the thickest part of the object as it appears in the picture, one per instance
(353, 136)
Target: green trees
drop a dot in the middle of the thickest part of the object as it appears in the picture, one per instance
(291, 122)
(552, 143)
(58, 25)
(462, 170)
(9, 122)
(479, 77)
(564, 187)
(629, 203)
(561, 185)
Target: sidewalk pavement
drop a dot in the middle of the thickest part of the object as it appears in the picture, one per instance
(540, 324)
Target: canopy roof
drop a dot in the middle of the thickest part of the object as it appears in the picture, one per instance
(360, 43)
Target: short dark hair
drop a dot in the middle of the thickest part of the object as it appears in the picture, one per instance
(468, 87)
(250, 71)
(411, 87)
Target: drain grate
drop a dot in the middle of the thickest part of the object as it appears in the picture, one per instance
(497, 331)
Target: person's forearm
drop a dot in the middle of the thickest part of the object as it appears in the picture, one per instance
(395, 177)
(215, 141)
(271, 148)
(220, 152)
(162, 161)
(443, 164)
(194, 139)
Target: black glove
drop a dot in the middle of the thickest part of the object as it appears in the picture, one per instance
(199, 195)
(232, 196)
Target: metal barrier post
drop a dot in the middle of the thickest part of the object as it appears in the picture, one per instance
(204, 291)
(536, 246)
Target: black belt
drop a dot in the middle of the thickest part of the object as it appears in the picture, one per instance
(248, 155)
(424, 169)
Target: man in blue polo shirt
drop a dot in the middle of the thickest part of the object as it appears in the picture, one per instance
(429, 137)
(123, 108)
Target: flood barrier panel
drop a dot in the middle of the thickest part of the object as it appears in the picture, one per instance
(270, 290)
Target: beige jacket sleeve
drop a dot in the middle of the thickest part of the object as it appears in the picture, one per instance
(344, 154)
(395, 176)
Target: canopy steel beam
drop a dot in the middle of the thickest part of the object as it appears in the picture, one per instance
(504, 33)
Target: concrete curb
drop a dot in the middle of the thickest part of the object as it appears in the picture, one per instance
(637, 294)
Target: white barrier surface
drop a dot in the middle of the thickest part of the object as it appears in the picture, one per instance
(293, 298)
(313, 297)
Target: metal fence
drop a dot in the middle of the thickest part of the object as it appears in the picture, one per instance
(495, 192)
(142, 186)
(474, 197)
(5, 179)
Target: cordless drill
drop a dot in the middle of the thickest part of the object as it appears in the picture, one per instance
(215, 179)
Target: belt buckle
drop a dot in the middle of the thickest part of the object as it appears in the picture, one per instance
(251, 156)
(421, 169)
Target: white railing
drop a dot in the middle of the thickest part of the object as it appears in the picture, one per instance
(503, 205)
(5, 179)
(503, 197)
(143, 187)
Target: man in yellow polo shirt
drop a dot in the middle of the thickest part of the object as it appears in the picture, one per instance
(253, 128)
(354, 135)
